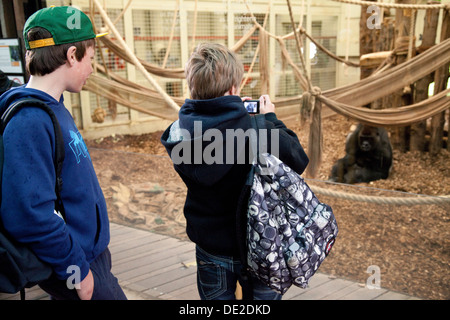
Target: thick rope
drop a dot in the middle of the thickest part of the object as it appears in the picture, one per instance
(382, 200)
(394, 5)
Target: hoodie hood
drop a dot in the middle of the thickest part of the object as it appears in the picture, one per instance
(213, 113)
(197, 142)
(22, 92)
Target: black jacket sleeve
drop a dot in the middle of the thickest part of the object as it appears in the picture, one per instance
(290, 150)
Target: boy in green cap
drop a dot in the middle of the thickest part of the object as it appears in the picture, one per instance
(60, 44)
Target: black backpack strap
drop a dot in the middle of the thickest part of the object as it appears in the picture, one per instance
(59, 141)
(246, 280)
(258, 122)
(241, 231)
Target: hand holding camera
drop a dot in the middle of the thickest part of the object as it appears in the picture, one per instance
(263, 105)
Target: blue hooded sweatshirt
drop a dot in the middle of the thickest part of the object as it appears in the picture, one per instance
(28, 187)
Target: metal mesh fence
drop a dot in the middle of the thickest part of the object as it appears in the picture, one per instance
(165, 34)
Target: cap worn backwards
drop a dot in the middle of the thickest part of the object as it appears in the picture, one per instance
(66, 24)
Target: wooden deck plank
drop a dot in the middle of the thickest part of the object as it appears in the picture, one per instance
(390, 295)
(176, 288)
(317, 280)
(153, 266)
(123, 239)
(144, 247)
(131, 239)
(139, 253)
(362, 293)
(322, 290)
(152, 260)
(345, 291)
(185, 280)
(170, 274)
(189, 292)
(138, 273)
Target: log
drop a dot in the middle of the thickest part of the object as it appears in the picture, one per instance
(403, 19)
(373, 60)
(418, 140)
(367, 39)
(440, 84)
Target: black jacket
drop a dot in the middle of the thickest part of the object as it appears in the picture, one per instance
(5, 83)
(214, 165)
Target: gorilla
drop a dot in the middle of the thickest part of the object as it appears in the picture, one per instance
(368, 156)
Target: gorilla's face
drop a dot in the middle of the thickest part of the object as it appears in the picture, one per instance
(368, 138)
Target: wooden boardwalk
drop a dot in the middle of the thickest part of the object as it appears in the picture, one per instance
(150, 266)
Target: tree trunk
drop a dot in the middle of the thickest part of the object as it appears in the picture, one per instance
(368, 36)
(440, 84)
(403, 19)
(418, 130)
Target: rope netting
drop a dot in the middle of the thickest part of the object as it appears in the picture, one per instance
(395, 5)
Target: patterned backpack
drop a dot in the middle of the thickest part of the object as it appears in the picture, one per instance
(289, 231)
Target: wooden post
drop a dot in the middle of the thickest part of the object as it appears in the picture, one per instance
(440, 83)
(400, 136)
(367, 39)
(418, 141)
(388, 44)
(385, 44)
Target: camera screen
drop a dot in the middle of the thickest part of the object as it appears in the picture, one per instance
(252, 106)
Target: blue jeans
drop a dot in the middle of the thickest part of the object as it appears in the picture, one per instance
(217, 277)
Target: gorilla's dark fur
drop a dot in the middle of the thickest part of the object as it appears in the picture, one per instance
(368, 156)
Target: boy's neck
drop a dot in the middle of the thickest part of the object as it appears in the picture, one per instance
(50, 84)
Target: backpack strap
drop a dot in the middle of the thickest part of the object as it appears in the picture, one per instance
(246, 281)
(59, 142)
(258, 123)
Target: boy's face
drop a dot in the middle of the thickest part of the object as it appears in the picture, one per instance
(81, 71)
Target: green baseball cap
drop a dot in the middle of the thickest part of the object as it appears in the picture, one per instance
(66, 24)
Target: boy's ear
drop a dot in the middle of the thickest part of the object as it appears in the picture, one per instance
(71, 57)
(234, 91)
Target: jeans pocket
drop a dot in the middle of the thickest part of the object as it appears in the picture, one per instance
(211, 280)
